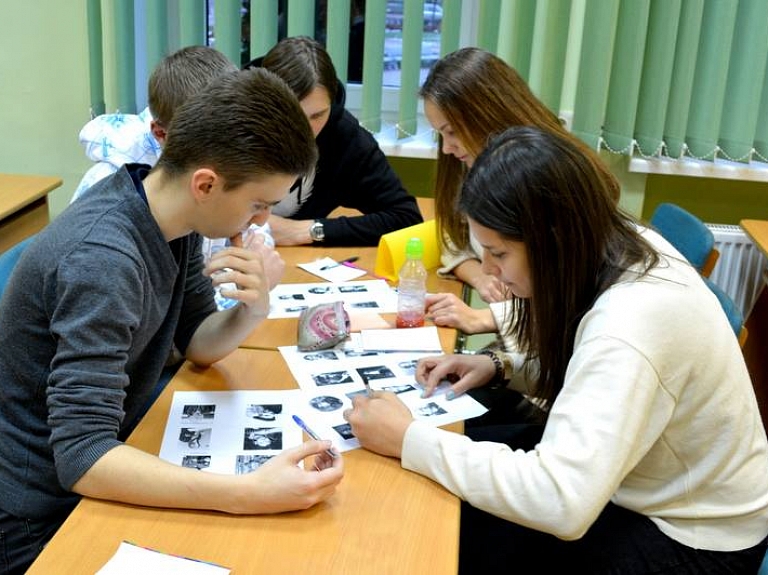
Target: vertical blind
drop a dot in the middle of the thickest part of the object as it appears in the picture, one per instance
(672, 78)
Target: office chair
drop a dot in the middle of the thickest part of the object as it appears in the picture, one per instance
(688, 234)
(732, 311)
(8, 261)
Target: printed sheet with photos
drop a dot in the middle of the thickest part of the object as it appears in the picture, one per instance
(288, 300)
(330, 378)
(229, 432)
(235, 432)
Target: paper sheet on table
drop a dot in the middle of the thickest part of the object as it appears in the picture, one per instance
(230, 432)
(415, 339)
(130, 559)
(331, 270)
(331, 378)
(371, 296)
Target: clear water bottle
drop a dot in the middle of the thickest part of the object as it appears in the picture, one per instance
(210, 247)
(264, 230)
(412, 289)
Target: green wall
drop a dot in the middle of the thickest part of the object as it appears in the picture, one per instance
(712, 200)
(44, 91)
(417, 175)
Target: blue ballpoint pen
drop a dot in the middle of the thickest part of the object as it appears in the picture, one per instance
(312, 434)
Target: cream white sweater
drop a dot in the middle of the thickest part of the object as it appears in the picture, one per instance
(657, 414)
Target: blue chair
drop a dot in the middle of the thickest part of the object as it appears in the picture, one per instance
(764, 566)
(8, 261)
(690, 236)
(732, 311)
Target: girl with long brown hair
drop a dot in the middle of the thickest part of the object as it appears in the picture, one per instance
(469, 96)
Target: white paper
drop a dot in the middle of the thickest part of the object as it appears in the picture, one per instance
(332, 271)
(130, 559)
(288, 300)
(230, 432)
(414, 339)
(331, 378)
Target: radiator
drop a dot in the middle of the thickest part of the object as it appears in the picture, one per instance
(739, 269)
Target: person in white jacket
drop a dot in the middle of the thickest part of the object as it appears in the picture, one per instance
(113, 140)
(652, 456)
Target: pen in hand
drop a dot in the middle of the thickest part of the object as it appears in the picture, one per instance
(312, 434)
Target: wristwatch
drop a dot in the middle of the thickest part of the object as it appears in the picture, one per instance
(316, 231)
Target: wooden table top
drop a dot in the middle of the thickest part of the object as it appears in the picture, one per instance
(272, 333)
(382, 519)
(17, 191)
(758, 231)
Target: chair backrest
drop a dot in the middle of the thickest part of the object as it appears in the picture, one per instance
(690, 236)
(732, 311)
(764, 566)
(8, 261)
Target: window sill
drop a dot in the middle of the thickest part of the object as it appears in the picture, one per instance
(720, 169)
(419, 146)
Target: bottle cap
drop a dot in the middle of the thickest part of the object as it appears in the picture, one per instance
(414, 248)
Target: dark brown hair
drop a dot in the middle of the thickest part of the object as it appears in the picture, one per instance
(533, 186)
(304, 65)
(180, 75)
(243, 126)
(480, 96)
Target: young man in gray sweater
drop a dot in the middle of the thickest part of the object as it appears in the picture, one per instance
(96, 302)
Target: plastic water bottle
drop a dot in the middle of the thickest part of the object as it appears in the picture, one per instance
(412, 289)
(210, 247)
(264, 230)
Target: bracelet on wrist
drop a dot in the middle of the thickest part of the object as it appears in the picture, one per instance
(498, 364)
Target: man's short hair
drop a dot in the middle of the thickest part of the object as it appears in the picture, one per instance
(180, 75)
(243, 126)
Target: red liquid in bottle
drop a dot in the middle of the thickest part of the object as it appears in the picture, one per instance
(410, 319)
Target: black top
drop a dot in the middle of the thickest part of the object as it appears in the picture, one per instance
(352, 172)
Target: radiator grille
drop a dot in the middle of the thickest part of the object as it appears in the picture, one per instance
(739, 269)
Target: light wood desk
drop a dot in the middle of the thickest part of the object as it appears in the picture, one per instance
(23, 206)
(274, 333)
(382, 519)
(757, 325)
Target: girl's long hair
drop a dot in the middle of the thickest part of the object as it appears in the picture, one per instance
(481, 96)
(535, 187)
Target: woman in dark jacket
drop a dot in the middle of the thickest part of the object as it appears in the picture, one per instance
(351, 172)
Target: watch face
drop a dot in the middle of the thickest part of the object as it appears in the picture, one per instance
(316, 232)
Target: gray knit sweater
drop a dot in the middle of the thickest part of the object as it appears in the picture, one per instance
(86, 324)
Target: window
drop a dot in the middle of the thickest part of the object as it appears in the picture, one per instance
(393, 42)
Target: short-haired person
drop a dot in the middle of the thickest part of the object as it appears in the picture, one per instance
(351, 171)
(112, 140)
(652, 457)
(469, 96)
(103, 292)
